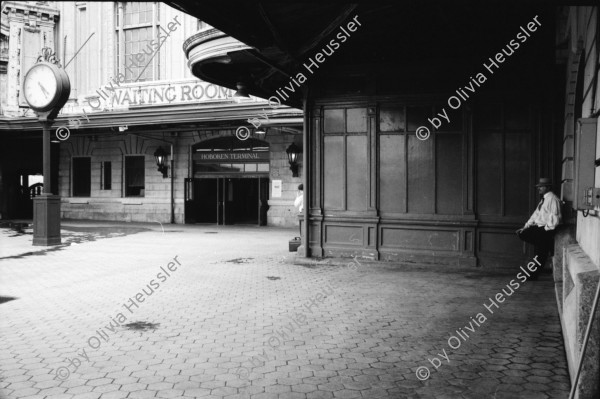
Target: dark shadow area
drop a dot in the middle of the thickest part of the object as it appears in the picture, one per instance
(6, 299)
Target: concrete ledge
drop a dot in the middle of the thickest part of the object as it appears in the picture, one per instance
(559, 296)
(132, 202)
(580, 280)
(565, 236)
(578, 262)
(79, 201)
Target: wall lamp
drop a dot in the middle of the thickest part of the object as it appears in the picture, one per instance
(260, 133)
(161, 161)
(293, 153)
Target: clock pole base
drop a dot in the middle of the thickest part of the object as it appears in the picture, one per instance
(46, 220)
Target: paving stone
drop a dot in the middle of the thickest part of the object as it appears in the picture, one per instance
(59, 396)
(170, 393)
(265, 395)
(117, 395)
(197, 392)
(292, 395)
(278, 388)
(214, 319)
(319, 395)
(142, 394)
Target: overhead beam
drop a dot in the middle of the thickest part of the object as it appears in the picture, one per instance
(335, 24)
(283, 46)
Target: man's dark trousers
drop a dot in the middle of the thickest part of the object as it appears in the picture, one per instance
(542, 241)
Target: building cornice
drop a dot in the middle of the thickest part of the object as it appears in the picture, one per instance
(164, 116)
(21, 10)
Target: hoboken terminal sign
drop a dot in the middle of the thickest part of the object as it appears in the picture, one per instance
(237, 156)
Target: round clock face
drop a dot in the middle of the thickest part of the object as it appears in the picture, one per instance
(40, 86)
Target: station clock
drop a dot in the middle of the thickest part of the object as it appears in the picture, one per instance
(46, 87)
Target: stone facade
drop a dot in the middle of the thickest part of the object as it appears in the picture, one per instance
(281, 210)
(154, 206)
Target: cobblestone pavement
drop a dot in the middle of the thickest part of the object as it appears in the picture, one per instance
(227, 315)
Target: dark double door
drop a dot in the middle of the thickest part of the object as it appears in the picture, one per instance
(224, 200)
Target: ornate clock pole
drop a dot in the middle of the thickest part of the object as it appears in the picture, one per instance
(46, 88)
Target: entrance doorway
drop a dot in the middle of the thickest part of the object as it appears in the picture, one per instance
(30, 186)
(227, 200)
(230, 183)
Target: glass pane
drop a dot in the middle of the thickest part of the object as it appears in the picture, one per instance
(250, 167)
(333, 172)
(262, 167)
(356, 177)
(356, 120)
(417, 116)
(117, 48)
(392, 119)
(456, 120)
(334, 121)
(448, 165)
(392, 186)
(420, 175)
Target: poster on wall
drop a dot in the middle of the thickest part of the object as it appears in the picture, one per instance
(276, 188)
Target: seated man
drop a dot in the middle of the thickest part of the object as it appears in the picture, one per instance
(539, 229)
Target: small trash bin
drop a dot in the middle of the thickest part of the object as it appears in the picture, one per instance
(294, 244)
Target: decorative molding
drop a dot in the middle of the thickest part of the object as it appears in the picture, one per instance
(48, 55)
(79, 147)
(31, 29)
(133, 145)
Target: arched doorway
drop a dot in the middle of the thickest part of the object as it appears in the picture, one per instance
(229, 183)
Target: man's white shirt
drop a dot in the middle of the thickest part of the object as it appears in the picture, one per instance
(549, 215)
